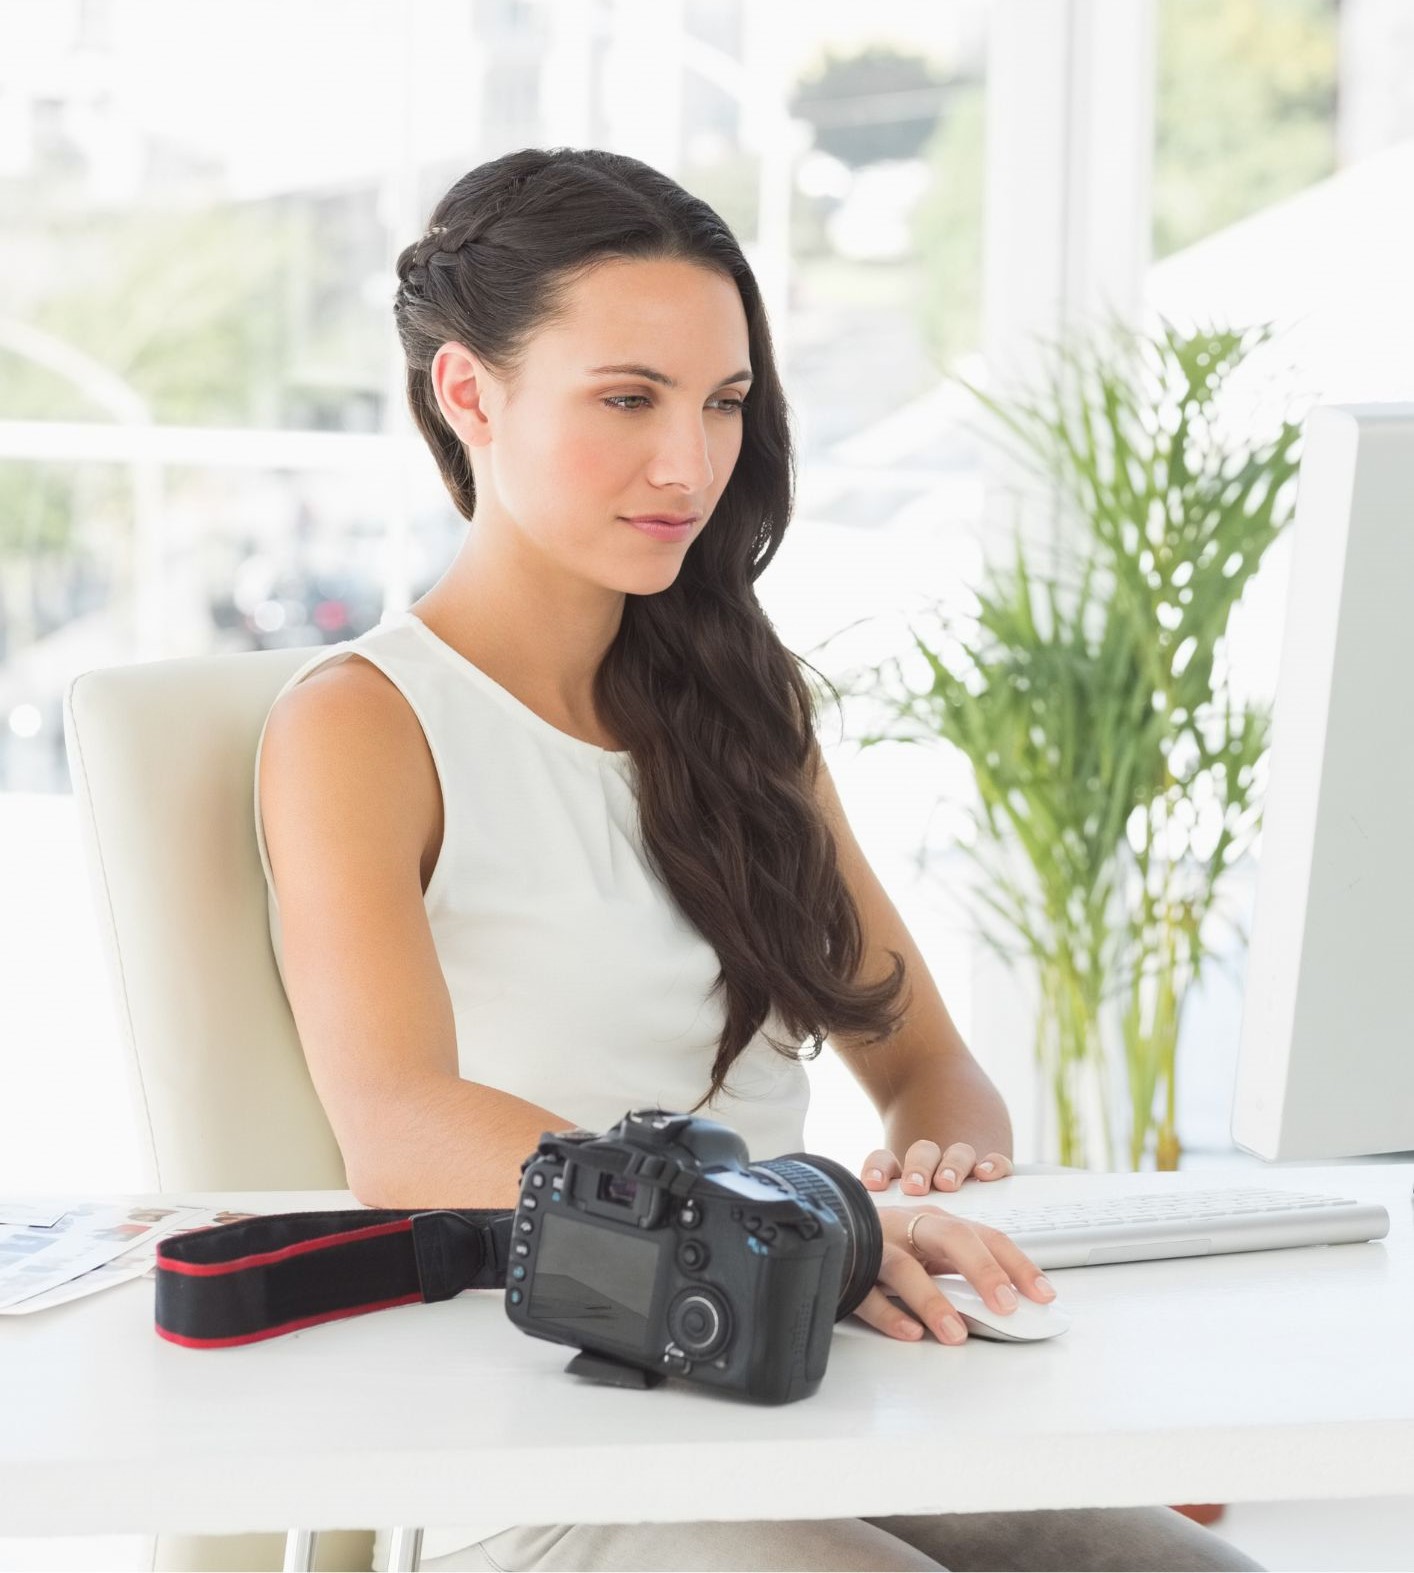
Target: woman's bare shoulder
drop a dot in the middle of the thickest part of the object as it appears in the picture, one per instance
(349, 691)
(351, 709)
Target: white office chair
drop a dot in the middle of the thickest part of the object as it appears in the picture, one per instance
(162, 758)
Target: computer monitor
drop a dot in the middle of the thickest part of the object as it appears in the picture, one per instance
(1326, 1062)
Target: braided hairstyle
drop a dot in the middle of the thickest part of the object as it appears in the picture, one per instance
(718, 720)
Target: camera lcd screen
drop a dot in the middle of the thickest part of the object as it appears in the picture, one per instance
(594, 1278)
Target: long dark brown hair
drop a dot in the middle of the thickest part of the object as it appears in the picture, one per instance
(697, 686)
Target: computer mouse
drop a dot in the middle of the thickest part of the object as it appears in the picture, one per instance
(1028, 1322)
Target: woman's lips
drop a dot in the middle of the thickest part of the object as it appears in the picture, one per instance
(663, 532)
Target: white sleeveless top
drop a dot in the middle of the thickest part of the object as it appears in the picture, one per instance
(576, 981)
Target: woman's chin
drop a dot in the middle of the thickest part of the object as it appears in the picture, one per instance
(650, 578)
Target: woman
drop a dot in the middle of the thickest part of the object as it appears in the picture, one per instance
(558, 841)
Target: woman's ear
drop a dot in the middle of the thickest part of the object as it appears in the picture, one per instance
(460, 385)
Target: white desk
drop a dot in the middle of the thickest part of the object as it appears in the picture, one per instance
(1265, 1376)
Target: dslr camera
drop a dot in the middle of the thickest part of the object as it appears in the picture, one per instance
(659, 1249)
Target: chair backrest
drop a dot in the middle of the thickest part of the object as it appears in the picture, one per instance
(162, 757)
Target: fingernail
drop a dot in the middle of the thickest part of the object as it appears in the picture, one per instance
(951, 1329)
(1046, 1287)
(1006, 1297)
(985, 1168)
(950, 1176)
(875, 1174)
(917, 1179)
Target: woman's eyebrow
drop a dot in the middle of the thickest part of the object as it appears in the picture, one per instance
(659, 376)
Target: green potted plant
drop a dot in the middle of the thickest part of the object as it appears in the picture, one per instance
(1117, 781)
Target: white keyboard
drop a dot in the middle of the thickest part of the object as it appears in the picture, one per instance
(1153, 1225)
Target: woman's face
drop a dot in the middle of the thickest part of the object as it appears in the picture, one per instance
(576, 449)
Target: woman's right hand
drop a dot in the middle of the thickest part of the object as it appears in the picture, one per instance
(945, 1243)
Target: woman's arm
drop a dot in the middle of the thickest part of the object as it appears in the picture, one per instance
(346, 812)
(448, 1142)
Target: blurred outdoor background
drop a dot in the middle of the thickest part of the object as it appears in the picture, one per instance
(204, 444)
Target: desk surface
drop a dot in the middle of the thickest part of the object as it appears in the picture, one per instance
(1260, 1376)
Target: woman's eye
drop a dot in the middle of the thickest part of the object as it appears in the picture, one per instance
(622, 401)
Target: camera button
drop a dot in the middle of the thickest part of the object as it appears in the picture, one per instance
(526, 1226)
(693, 1254)
(518, 1271)
(516, 1296)
(529, 1203)
(537, 1179)
(521, 1248)
(689, 1216)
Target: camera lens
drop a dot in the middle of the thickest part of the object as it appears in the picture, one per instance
(830, 1185)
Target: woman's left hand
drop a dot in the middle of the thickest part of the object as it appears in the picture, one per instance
(927, 1167)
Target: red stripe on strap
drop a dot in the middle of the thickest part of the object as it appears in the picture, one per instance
(285, 1327)
(264, 1258)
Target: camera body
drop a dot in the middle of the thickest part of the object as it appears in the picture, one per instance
(658, 1245)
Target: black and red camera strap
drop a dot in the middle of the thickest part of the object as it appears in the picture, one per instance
(237, 1283)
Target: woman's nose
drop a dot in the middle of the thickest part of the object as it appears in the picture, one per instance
(685, 459)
